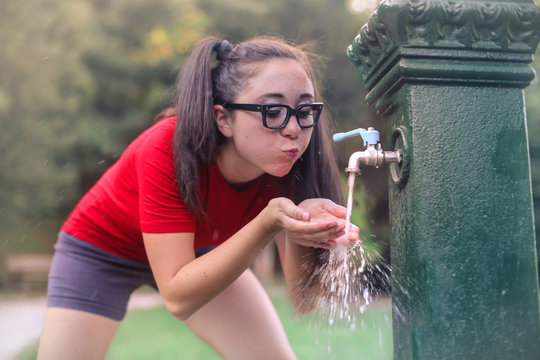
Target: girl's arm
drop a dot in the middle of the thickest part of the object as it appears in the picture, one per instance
(187, 283)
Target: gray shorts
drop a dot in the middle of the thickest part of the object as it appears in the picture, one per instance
(85, 277)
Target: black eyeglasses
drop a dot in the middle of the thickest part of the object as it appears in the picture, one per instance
(276, 116)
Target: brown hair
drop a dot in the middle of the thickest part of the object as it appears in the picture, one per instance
(197, 140)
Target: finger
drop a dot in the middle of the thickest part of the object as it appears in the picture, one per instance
(335, 209)
(353, 236)
(312, 227)
(345, 224)
(353, 228)
(345, 240)
(348, 238)
(328, 236)
(329, 245)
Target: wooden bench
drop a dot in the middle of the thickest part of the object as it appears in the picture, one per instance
(25, 270)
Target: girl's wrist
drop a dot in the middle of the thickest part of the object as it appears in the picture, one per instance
(271, 216)
(268, 220)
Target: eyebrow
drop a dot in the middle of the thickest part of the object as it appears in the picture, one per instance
(281, 96)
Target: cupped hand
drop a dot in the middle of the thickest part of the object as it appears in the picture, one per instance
(322, 210)
(318, 223)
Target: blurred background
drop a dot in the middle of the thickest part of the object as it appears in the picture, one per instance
(80, 79)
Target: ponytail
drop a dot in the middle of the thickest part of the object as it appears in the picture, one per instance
(197, 139)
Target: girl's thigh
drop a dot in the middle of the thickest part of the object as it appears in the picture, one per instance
(74, 334)
(241, 323)
(88, 292)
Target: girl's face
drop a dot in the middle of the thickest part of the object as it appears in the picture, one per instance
(251, 149)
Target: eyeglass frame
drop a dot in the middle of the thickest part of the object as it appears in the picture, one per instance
(263, 109)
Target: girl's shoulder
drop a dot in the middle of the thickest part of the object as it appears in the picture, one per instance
(160, 133)
(166, 125)
(153, 144)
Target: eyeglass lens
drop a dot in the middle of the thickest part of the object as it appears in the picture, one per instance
(276, 115)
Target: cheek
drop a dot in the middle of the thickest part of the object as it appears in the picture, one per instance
(305, 138)
(251, 144)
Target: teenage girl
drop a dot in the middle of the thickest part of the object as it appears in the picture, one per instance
(195, 199)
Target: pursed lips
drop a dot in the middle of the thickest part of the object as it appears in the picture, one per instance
(291, 153)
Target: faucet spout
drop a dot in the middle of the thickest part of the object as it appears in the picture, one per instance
(372, 156)
(369, 156)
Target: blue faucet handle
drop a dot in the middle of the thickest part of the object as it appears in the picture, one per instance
(370, 136)
(344, 135)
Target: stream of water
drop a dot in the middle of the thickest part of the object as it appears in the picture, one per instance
(352, 177)
(347, 281)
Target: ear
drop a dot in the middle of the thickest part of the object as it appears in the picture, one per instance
(223, 120)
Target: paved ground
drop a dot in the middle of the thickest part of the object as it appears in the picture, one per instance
(21, 320)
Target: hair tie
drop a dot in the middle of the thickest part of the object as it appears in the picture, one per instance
(221, 49)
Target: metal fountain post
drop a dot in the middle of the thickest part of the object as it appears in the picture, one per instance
(448, 78)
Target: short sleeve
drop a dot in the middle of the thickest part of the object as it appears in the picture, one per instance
(161, 208)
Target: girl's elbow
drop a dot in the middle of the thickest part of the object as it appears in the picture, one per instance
(179, 309)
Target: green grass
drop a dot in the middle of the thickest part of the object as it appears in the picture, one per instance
(155, 334)
(312, 338)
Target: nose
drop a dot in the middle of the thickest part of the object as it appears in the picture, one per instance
(292, 129)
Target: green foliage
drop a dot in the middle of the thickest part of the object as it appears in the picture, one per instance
(39, 76)
(79, 80)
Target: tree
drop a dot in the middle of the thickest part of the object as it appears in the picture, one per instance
(41, 82)
(79, 80)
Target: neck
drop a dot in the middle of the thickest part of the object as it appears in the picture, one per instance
(234, 173)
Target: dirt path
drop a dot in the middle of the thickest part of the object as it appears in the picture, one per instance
(21, 320)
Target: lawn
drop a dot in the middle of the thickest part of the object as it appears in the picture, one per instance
(155, 334)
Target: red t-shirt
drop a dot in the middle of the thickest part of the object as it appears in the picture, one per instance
(139, 193)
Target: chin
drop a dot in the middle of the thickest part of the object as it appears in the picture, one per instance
(280, 172)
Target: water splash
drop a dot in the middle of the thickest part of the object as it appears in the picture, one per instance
(347, 278)
(347, 282)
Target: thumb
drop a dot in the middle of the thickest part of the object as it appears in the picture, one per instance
(288, 208)
(302, 214)
(299, 213)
